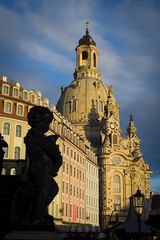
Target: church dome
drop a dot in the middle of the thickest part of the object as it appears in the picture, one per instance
(83, 100)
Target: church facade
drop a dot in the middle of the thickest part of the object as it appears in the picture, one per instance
(101, 167)
(91, 107)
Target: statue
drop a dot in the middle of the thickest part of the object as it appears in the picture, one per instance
(3, 144)
(38, 189)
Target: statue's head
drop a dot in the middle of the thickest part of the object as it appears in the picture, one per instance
(39, 118)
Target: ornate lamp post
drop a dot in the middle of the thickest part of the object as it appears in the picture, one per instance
(138, 201)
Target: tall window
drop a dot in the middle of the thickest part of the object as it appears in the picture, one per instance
(18, 131)
(100, 106)
(115, 139)
(6, 128)
(66, 209)
(94, 59)
(116, 184)
(5, 152)
(15, 92)
(84, 58)
(6, 90)
(32, 98)
(17, 153)
(74, 106)
(25, 95)
(117, 202)
(20, 110)
(8, 107)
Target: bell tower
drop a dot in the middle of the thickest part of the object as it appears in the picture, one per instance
(86, 57)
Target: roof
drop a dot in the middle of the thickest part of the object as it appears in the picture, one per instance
(87, 40)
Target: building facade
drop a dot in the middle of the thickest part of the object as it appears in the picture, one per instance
(69, 206)
(91, 107)
(101, 167)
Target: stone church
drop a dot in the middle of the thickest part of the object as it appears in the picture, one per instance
(93, 110)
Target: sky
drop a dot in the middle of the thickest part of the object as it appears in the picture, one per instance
(37, 49)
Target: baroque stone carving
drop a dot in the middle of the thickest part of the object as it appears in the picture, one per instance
(38, 189)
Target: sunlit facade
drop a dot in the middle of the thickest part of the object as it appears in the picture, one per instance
(91, 107)
(69, 206)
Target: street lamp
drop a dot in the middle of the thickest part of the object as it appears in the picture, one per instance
(138, 202)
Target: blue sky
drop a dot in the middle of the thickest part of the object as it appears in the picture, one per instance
(37, 49)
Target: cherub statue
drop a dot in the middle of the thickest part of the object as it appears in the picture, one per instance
(43, 160)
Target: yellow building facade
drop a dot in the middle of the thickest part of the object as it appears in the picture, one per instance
(92, 108)
(69, 206)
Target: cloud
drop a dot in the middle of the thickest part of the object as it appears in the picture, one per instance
(37, 48)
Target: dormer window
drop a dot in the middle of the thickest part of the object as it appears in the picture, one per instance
(25, 95)
(15, 92)
(5, 90)
(32, 98)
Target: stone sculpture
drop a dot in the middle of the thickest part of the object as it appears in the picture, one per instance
(43, 160)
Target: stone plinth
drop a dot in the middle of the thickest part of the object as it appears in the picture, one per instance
(33, 235)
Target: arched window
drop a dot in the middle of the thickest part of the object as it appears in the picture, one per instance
(17, 153)
(116, 184)
(84, 58)
(84, 55)
(18, 131)
(8, 107)
(100, 106)
(94, 59)
(115, 139)
(13, 171)
(6, 128)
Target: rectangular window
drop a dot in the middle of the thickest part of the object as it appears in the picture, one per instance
(18, 131)
(63, 186)
(71, 190)
(5, 152)
(71, 153)
(77, 212)
(70, 170)
(5, 90)
(20, 110)
(77, 192)
(67, 150)
(63, 166)
(66, 188)
(8, 107)
(32, 98)
(117, 202)
(74, 172)
(74, 191)
(15, 92)
(67, 168)
(66, 209)
(25, 95)
(70, 210)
